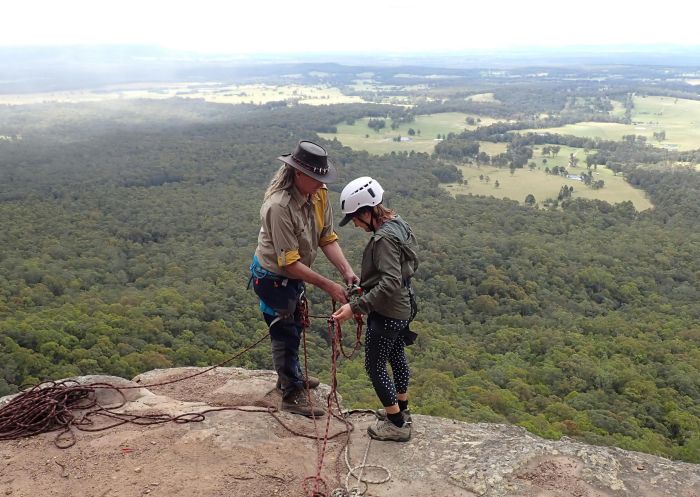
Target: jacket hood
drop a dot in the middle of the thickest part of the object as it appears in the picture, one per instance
(400, 232)
(397, 229)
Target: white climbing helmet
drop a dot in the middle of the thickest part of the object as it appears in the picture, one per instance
(360, 192)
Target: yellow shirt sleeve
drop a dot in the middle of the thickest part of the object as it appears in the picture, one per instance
(324, 218)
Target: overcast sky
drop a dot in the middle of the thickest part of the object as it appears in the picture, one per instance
(266, 26)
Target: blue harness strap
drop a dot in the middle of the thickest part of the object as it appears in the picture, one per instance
(259, 272)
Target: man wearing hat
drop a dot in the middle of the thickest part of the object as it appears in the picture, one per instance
(296, 219)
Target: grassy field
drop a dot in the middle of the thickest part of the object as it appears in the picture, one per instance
(360, 137)
(211, 92)
(679, 118)
(260, 94)
(618, 108)
(492, 148)
(543, 186)
(561, 159)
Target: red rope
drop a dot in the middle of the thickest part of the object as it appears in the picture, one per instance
(335, 334)
(48, 406)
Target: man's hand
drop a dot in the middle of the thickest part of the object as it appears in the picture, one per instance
(337, 292)
(342, 314)
(351, 278)
(337, 258)
(299, 271)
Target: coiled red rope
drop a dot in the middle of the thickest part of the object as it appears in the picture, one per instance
(67, 405)
(64, 405)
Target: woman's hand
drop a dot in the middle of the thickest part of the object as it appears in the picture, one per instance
(343, 314)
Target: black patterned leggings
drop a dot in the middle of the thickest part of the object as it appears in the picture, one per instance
(384, 343)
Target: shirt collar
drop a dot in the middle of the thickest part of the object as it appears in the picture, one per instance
(300, 199)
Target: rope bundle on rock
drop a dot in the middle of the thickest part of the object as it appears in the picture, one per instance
(67, 405)
(64, 405)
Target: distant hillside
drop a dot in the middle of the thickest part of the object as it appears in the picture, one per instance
(44, 69)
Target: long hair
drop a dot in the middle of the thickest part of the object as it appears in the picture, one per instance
(282, 180)
(383, 213)
(379, 212)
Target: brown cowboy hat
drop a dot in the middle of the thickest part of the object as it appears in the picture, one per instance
(312, 160)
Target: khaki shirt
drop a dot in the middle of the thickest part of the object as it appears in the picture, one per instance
(292, 229)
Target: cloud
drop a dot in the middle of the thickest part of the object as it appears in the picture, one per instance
(362, 25)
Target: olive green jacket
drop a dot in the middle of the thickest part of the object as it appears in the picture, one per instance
(388, 262)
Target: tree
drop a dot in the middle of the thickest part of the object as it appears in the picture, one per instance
(530, 199)
(376, 124)
(573, 161)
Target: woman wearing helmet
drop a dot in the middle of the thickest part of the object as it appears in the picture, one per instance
(388, 262)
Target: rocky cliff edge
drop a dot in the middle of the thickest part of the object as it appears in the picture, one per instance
(239, 453)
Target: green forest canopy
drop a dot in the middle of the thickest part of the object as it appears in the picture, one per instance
(127, 231)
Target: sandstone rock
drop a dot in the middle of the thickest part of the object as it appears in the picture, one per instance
(234, 452)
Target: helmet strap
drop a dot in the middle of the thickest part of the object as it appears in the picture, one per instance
(370, 225)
